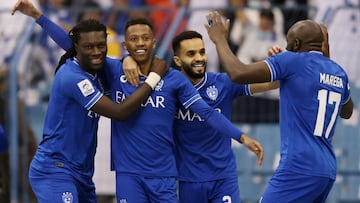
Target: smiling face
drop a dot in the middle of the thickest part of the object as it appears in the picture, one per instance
(140, 42)
(91, 50)
(192, 59)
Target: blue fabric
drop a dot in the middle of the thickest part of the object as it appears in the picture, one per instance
(3, 140)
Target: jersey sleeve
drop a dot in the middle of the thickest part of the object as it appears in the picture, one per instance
(80, 88)
(59, 35)
(347, 93)
(279, 63)
(236, 89)
(190, 98)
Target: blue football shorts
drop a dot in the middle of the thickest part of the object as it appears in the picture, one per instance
(285, 187)
(140, 189)
(60, 188)
(217, 191)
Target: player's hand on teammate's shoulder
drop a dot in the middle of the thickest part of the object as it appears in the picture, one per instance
(27, 8)
(254, 146)
(159, 66)
(131, 70)
(274, 50)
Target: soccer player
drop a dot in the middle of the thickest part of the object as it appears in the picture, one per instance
(314, 91)
(63, 166)
(146, 160)
(142, 146)
(205, 160)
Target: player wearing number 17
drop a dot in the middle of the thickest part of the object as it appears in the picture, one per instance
(314, 90)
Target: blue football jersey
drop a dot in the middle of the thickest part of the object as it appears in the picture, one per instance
(144, 143)
(202, 153)
(69, 135)
(312, 90)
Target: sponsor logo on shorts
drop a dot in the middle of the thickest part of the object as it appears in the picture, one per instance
(67, 197)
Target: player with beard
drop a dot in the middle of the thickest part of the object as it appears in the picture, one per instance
(142, 147)
(205, 160)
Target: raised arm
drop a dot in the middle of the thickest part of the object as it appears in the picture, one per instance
(59, 35)
(237, 70)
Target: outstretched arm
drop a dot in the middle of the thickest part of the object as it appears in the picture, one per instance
(58, 34)
(237, 70)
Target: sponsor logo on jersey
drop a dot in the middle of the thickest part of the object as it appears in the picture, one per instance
(86, 87)
(212, 92)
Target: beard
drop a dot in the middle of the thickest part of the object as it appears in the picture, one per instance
(192, 74)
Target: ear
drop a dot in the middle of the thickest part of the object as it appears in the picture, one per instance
(297, 44)
(177, 61)
(124, 45)
(154, 44)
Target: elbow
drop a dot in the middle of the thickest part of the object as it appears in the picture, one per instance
(346, 115)
(347, 109)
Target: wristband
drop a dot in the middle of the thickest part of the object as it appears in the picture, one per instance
(153, 79)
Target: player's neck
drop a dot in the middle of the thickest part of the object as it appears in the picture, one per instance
(145, 67)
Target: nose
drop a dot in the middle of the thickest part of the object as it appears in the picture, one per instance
(199, 57)
(140, 42)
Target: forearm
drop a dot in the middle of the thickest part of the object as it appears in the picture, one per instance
(215, 119)
(228, 60)
(59, 35)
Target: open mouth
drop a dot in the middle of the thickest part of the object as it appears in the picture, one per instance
(198, 66)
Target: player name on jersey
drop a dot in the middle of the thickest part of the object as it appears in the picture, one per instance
(331, 80)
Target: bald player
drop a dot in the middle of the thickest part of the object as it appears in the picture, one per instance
(314, 92)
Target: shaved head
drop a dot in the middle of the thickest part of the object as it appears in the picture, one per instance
(304, 36)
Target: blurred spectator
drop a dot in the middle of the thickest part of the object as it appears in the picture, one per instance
(27, 145)
(199, 9)
(92, 10)
(260, 38)
(343, 21)
(258, 41)
(120, 14)
(162, 18)
(246, 15)
(43, 52)
(293, 11)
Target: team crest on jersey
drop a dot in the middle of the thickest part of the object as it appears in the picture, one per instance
(67, 197)
(86, 87)
(212, 92)
(159, 85)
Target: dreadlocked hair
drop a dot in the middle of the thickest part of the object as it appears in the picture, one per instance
(90, 25)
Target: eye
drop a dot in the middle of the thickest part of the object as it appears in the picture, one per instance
(191, 53)
(146, 38)
(133, 39)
